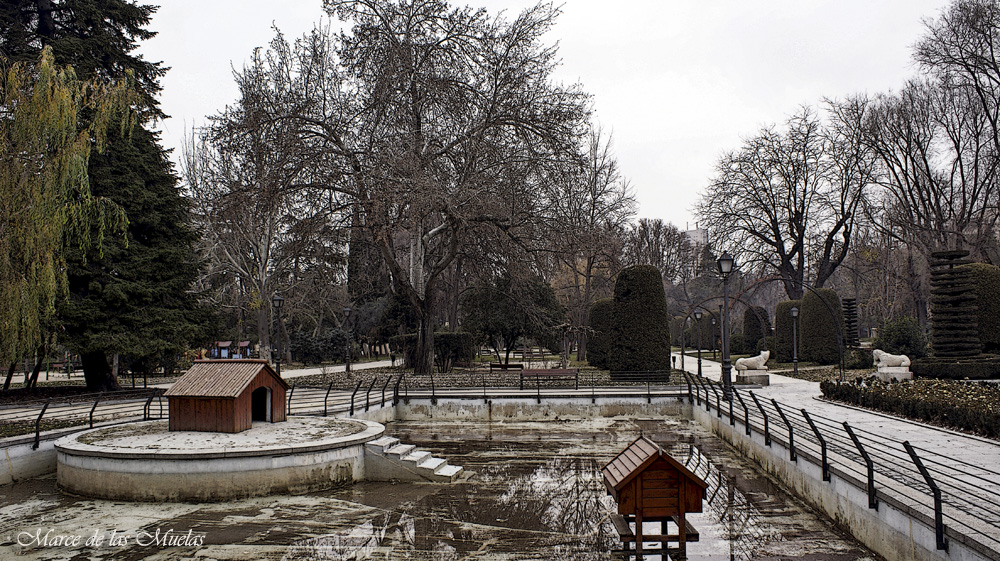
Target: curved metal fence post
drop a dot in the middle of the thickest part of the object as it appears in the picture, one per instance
(384, 387)
(369, 392)
(942, 542)
(708, 404)
(746, 411)
(353, 394)
(792, 456)
(145, 408)
(822, 445)
(288, 406)
(326, 398)
(718, 400)
(395, 390)
(690, 392)
(96, 401)
(38, 425)
(872, 498)
(767, 428)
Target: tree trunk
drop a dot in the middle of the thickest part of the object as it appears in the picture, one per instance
(97, 372)
(425, 344)
(39, 359)
(10, 375)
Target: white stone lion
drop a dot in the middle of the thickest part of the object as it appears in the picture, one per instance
(753, 362)
(883, 358)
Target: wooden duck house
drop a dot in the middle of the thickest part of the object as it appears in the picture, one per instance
(226, 396)
(650, 486)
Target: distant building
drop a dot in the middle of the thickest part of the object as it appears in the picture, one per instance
(698, 236)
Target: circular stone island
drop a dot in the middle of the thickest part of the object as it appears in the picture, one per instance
(146, 461)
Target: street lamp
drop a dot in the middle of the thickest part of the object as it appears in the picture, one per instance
(697, 321)
(277, 301)
(726, 264)
(795, 345)
(713, 338)
(347, 345)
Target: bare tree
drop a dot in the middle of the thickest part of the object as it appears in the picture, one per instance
(786, 201)
(589, 209)
(439, 125)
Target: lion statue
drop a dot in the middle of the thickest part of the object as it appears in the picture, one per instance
(883, 358)
(753, 362)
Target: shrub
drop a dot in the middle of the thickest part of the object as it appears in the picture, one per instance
(641, 335)
(449, 347)
(676, 330)
(765, 344)
(756, 326)
(858, 359)
(902, 336)
(737, 345)
(821, 323)
(599, 340)
(783, 330)
(329, 345)
(986, 280)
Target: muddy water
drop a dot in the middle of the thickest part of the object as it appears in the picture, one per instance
(536, 494)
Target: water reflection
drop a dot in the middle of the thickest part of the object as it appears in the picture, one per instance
(539, 498)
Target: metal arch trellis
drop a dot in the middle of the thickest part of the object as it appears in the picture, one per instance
(829, 308)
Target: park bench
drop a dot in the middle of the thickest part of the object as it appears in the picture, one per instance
(552, 374)
(505, 367)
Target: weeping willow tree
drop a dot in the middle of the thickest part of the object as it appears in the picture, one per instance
(49, 122)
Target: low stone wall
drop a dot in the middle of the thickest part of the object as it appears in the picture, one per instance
(528, 409)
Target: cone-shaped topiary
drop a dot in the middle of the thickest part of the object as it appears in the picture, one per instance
(821, 326)
(599, 339)
(756, 326)
(641, 334)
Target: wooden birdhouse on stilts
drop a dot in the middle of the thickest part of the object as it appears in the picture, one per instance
(650, 486)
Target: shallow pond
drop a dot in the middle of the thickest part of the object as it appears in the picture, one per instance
(537, 493)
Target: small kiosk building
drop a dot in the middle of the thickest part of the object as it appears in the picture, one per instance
(650, 486)
(226, 396)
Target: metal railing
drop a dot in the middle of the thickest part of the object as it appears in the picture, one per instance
(957, 495)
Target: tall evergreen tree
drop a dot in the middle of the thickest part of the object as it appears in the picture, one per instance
(133, 298)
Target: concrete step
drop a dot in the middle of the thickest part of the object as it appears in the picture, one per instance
(400, 450)
(431, 464)
(449, 472)
(380, 445)
(416, 456)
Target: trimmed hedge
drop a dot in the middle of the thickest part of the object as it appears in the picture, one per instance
(819, 329)
(902, 336)
(783, 330)
(449, 347)
(986, 280)
(329, 345)
(640, 329)
(967, 406)
(756, 326)
(599, 339)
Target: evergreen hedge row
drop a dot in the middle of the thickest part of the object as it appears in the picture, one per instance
(599, 339)
(966, 406)
(820, 329)
(902, 336)
(986, 280)
(640, 329)
(783, 330)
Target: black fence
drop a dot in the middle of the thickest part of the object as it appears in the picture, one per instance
(958, 495)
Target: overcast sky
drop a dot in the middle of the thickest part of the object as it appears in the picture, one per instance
(678, 82)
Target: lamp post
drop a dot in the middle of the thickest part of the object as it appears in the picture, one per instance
(713, 338)
(725, 264)
(697, 321)
(795, 342)
(277, 301)
(347, 345)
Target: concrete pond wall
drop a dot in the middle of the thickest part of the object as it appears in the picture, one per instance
(901, 529)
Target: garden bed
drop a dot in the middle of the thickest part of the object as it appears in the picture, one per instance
(972, 407)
